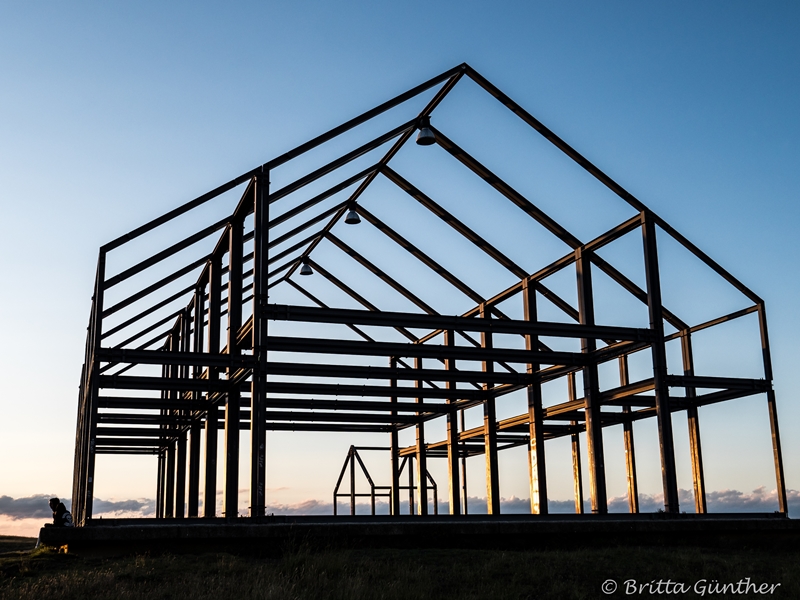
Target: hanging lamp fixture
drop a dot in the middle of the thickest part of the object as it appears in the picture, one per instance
(352, 217)
(306, 269)
(425, 136)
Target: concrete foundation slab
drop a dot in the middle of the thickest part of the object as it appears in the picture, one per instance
(277, 533)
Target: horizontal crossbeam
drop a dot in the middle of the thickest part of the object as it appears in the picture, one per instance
(282, 312)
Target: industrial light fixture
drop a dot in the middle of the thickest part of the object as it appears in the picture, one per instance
(306, 269)
(425, 136)
(352, 217)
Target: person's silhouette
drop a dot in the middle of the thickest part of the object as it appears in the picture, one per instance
(61, 516)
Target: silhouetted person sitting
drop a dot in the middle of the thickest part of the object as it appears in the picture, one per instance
(61, 516)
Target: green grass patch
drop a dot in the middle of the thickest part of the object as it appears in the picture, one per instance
(393, 574)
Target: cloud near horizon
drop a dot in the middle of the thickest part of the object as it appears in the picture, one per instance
(37, 507)
(759, 500)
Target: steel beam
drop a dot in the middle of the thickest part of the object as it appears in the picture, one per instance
(339, 162)
(512, 355)
(454, 486)
(164, 254)
(451, 220)
(364, 117)
(695, 451)
(552, 137)
(536, 454)
(506, 190)
(418, 254)
(194, 429)
(630, 449)
(422, 459)
(180, 477)
(433, 321)
(214, 270)
(169, 497)
(332, 191)
(394, 451)
(490, 430)
(160, 485)
(230, 495)
(385, 373)
(336, 389)
(93, 392)
(591, 389)
(577, 475)
(663, 412)
(258, 393)
(423, 115)
(772, 407)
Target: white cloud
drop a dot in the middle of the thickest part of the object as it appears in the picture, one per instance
(34, 510)
(29, 507)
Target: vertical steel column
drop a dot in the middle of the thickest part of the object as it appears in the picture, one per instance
(164, 481)
(180, 477)
(164, 433)
(410, 463)
(536, 458)
(575, 438)
(78, 474)
(591, 388)
(490, 428)
(81, 439)
(258, 391)
(212, 345)
(230, 497)
(194, 428)
(394, 449)
(94, 390)
(77, 459)
(630, 451)
(464, 453)
(454, 485)
(352, 480)
(182, 372)
(194, 469)
(159, 484)
(663, 411)
(773, 411)
(171, 434)
(422, 460)
(698, 478)
(169, 497)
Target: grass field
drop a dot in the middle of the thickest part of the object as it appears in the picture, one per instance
(355, 574)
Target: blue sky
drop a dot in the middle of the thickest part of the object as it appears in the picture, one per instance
(111, 114)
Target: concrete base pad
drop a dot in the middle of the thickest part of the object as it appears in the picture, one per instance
(275, 534)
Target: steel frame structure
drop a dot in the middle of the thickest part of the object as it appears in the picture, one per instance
(216, 374)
